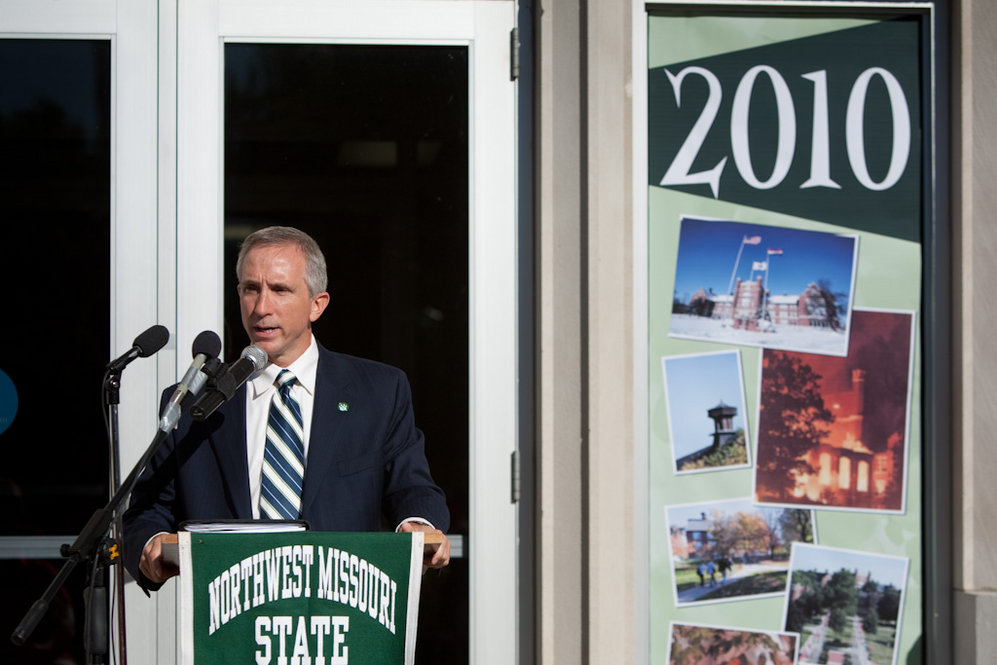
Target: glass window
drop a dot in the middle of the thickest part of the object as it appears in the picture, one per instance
(55, 156)
(55, 165)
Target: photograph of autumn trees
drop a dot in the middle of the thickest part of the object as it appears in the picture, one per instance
(733, 550)
(846, 605)
(705, 645)
(832, 431)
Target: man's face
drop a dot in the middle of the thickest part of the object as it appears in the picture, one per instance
(277, 310)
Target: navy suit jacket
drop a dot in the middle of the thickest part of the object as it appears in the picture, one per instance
(366, 461)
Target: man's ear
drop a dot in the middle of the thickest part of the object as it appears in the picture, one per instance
(319, 302)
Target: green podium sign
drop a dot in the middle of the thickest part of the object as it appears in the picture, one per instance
(304, 598)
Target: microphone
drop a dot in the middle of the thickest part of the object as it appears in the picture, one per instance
(223, 388)
(207, 345)
(145, 345)
(212, 368)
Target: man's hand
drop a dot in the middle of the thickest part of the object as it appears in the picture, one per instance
(436, 556)
(152, 564)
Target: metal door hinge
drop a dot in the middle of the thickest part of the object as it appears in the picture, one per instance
(514, 54)
(514, 495)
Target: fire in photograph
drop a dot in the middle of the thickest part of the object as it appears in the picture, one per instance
(832, 432)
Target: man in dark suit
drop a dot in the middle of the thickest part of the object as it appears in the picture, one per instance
(363, 457)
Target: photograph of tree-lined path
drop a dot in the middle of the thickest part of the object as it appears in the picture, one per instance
(733, 550)
(845, 605)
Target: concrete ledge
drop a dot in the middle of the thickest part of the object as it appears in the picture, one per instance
(975, 626)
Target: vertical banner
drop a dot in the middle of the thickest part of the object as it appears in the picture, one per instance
(787, 183)
(315, 598)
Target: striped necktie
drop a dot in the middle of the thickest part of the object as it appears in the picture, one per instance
(283, 456)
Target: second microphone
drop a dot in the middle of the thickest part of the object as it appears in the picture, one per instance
(224, 387)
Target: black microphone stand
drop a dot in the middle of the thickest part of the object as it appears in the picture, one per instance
(96, 630)
(92, 545)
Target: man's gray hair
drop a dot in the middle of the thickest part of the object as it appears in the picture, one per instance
(316, 276)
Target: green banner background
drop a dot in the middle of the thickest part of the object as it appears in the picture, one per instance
(888, 276)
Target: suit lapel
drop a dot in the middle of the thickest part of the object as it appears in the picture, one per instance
(229, 442)
(333, 391)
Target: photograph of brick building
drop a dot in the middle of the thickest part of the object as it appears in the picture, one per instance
(768, 286)
(752, 309)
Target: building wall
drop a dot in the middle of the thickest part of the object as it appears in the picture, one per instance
(975, 318)
(559, 519)
(585, 355)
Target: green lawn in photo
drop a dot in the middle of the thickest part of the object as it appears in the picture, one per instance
(836, 640)
(881, 643)
(686, 577)
(769, 582)
(731, 453)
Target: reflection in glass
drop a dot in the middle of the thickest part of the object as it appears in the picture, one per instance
(55, 211)
(55, 164)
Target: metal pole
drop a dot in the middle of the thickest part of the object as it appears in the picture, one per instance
(114, 483)
(730, 285)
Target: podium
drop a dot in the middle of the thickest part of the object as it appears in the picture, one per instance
(299, 598)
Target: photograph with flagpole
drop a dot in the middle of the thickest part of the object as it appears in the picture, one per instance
(767, 286)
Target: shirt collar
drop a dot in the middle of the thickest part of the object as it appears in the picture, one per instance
(304, 369)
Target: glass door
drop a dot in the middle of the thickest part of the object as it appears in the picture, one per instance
(78, 210)
(386, 131)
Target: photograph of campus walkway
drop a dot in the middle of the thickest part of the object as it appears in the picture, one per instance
(733, 550)
(845, 605)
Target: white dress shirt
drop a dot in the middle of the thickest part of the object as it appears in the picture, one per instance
(260, 391)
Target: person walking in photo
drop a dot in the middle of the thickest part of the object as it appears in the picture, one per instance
(724, 565)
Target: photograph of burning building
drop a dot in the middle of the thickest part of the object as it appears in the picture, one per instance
(832, 432)
(763, 286)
